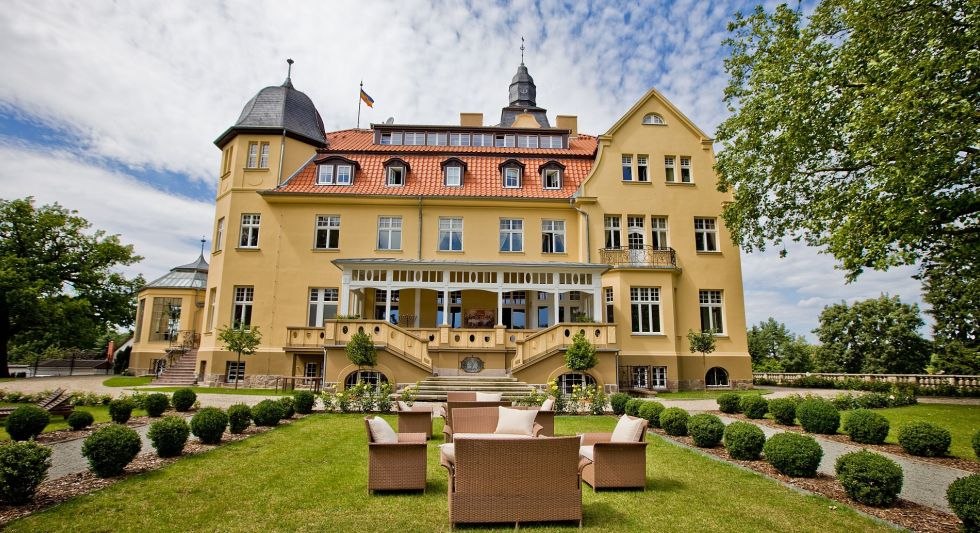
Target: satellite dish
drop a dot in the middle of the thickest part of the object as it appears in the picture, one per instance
(391, 120)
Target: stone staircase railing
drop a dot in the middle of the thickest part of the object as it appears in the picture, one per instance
(547, 341)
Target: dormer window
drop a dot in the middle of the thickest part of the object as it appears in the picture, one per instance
(511, 172)
(654, 119)
(396, 171)
(551, 174)
(452, 171)
(325, 175)
(335, 171)
(344, 175)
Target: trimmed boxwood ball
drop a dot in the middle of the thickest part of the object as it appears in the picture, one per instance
(869, 478)
(80, 419)
(728, 402)
(209, 424)
(156, 404)
(633, 406)
(110, 449)
(26, 422)
(23, 466)
(169, 435)
(120, 410)
(963, 496)
(288, 407)
(866, 427)
(183, 399)
(783, 411)
(705, 430)
(618, 402)
(304, 401)
(239, 418)
(818, 416)
(793, 454)
(924, 439)
(651, 411)
(753, 406)
(744, 441)
(674, 421)
(267, 413)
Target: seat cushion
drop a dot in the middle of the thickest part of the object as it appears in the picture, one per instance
(448, 452)
(490, 436)
(548, 404)
(627, 430)
(488, 396)
(588, 452)
(515, 421)
(381, 431)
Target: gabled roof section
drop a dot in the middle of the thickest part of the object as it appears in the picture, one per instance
(654, 93)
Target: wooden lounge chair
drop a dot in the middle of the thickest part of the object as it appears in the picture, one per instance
(56, 403)
(615, 464)
(415, 419)
(397, 465)
(514, 481)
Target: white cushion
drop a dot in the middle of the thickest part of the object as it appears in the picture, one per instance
(515, 421)
(548, 404)
(489, 436)
(381, 431)
(448, 452)
(488, 396)
(588, 452)
(402, 406)
(627, 430)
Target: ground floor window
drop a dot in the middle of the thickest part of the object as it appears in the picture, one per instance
(311, 370)
(647, 377)
(371, 377)
(716, 377)
(567, 381)
(234, 371)
(640, 377)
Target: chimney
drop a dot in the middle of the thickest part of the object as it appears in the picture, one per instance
(567, 122)
(472, 120)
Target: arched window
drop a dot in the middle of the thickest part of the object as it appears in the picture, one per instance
(654, 118)
(716, 377)
(370, 377)
(567, 381)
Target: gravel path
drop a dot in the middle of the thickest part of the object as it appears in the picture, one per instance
(67, 459)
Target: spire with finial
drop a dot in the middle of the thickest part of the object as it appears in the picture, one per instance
(202, 246)
(522, 49)
(289, 74)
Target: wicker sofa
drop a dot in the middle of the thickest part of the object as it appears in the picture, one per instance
(515, 480)
(396, 466)
(447, 413)
(477, 420)
(616, 465)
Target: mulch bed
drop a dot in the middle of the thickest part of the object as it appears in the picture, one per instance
(63, 435)
(55, 491)
(894, 449)
(904, 513)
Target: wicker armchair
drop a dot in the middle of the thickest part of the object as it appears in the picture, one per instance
(396, 466)
(514, 481)
(417, 419)
(615, 464)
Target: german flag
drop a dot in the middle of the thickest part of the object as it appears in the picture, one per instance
(367, 98)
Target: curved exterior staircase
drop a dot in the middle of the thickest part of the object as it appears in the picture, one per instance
(182, 372)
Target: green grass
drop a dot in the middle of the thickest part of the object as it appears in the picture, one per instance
(99, 412)
(707, 395)
(127, 381)
(219, 390)
(962, 421)
(311, 476)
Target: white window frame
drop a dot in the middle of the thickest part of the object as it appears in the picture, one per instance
(390, 227)
(557, 178)
(553, 234)
(249, 236)
(642, 168)
(613, 228)
(414, 138)
(212, 306)
(395, 170)
(449, 227)
(459, 139)
(454, 176)
(264, 155)
(252, 159)
(705, 234)
(236, 367)
(645, 303)
(627, 167)
(669, 175)
(241, 309)
(686, 174)
(219, 235)
(527, 141)
(512, 177)
(482, 139)
(610, 304)
(658, 377)
(345, 174)
(550, 141)
(322, 298)
(658, 233)
(635, 232)
(511, 228)
(324, 175)
(654, 119)
(712, 306)
(328, 225)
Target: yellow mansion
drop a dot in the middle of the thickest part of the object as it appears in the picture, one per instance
(463, 250)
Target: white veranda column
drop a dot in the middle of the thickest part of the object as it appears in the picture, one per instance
(345, 293)
(554, 307)
(445, 306)
(500, 306)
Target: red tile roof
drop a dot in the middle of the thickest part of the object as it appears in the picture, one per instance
(425, 177)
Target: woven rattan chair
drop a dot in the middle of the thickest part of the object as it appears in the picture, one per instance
(514, 481)
(447, 413)
(418, 419)
(616, 465)
(460, 396)
(476, 420)
(396, 466)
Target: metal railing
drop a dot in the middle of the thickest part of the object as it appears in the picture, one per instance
(646, 256)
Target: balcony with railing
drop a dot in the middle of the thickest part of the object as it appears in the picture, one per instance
(639, 256)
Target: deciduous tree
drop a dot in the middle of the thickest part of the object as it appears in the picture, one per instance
(775, 349)
(241, 340)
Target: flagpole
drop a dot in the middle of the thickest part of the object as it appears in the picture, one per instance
(359, 106)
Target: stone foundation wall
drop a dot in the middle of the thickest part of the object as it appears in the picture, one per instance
(251, 381)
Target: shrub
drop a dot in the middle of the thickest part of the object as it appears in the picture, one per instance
(23, 466)
(110, 449)
(287, 406)
(866, 427)
(581, 355)
(753, 406)
(674, 421)
(976, 444)
(155, 404)
(873, 400)
(80, 420)
(120, 410)
(633, 406)
(27, 422)
(209, 424)
(168, 435)
(783, 411)
(618, 402)
(924, 439)
(818, 416)
(793, 454)
(869, 478)
(267, 413)
(744, 441)
(183, 399)
(728, 402)
(963, 496)
(706, 430)
(651, 411)
(303, 401)
(239, 418)
(844, 401)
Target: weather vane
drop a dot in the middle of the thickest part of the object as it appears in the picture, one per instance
(289, 69)
(522, 49)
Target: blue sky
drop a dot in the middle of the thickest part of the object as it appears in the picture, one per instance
(111, 108)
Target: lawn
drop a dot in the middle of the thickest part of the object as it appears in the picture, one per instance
(962, 421)
(219, 390)
(311, 476)
(127, 381)
(707, 395)
(99, 412)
